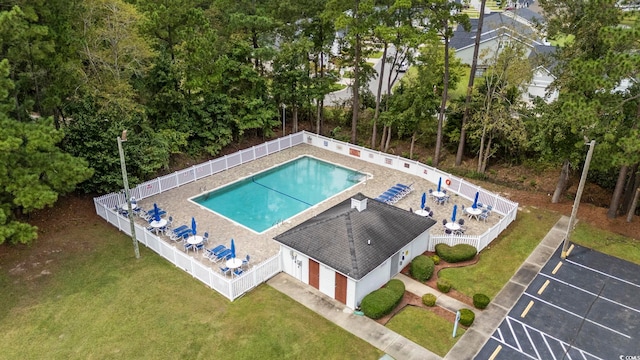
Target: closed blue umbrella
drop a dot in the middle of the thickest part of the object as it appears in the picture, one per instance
(156, 212)
(475, 201)
(424, 200)
(453, 216)
(439, 184)
(193, 225)
(233, 249)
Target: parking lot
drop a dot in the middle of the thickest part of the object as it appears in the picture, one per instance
(584, 307)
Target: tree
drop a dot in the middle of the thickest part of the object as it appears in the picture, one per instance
(499, 123)
(354, 21)
(599, 56)
(472, 77)
(33, 170)
(442, 15)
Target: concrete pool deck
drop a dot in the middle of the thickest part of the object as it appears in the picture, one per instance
(261, 246)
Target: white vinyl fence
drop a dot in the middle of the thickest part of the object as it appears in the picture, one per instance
(233, 288)
(505, 208)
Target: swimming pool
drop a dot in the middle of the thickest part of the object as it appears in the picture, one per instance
(261, 201)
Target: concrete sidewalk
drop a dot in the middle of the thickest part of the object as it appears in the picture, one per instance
(370, 331)
(399, 347)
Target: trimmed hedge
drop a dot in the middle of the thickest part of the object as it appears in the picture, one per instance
(458, 253)
(444, 285)
(436, 259)
(422, 268)
(466, 317)
(429, 299)
(382, 301)
(397, 286)
(481, 301)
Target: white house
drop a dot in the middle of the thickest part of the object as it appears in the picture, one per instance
(353, 248)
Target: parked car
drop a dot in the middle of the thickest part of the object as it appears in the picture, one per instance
(403, 66)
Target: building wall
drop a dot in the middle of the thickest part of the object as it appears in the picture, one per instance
(487, 51)
(541, 80)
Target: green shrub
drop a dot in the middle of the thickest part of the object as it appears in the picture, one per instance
(480, 301)
(458, 253)
(422, 268)
(435, 259)
(382, 301)
(429, 299)
(466, 317)
(397, 286)
(444, 285)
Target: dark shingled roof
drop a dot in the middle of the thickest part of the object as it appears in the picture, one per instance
(490, 29)
(338, 236)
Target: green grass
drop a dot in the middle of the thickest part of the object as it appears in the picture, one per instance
(102, 303)
(461, 87)
(503, 257)
(562, 40)
(375, 55)
(608, 243)
(426, 329)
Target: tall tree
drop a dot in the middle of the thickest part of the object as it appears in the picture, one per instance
(472, 77)
(499, 123)
(33, 169)
(443, 16)
(353, 19)
(599, 56)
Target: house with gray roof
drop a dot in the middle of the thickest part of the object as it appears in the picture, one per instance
(353, 248)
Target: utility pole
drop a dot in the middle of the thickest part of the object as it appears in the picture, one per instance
(576, 203)
(125, 181)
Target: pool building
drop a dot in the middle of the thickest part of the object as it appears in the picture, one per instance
(354, 247)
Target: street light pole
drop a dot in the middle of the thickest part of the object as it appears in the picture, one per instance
(284, 110)
(576, 203)
(125, 181)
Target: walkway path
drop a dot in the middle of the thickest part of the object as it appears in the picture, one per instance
(399, 347)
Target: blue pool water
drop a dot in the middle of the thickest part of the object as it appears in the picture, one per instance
(261, 201)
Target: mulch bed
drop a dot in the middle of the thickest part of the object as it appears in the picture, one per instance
(410, 299)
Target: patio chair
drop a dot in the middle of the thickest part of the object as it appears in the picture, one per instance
(205, 237)
(484, 215)
(225, 270)
(431, 214)
(245, 261)
(187, 247)
(238, 272)
(199, 247)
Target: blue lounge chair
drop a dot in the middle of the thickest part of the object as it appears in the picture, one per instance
(180, 233)
(221, 256)
(215, 251)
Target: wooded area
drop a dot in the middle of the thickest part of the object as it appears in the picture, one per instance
(193, 76)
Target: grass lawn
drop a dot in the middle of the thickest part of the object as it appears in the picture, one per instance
(562, 40)
(426, 329)
(605, 242)
(461, 87)
(102, 303)
(503, 257)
